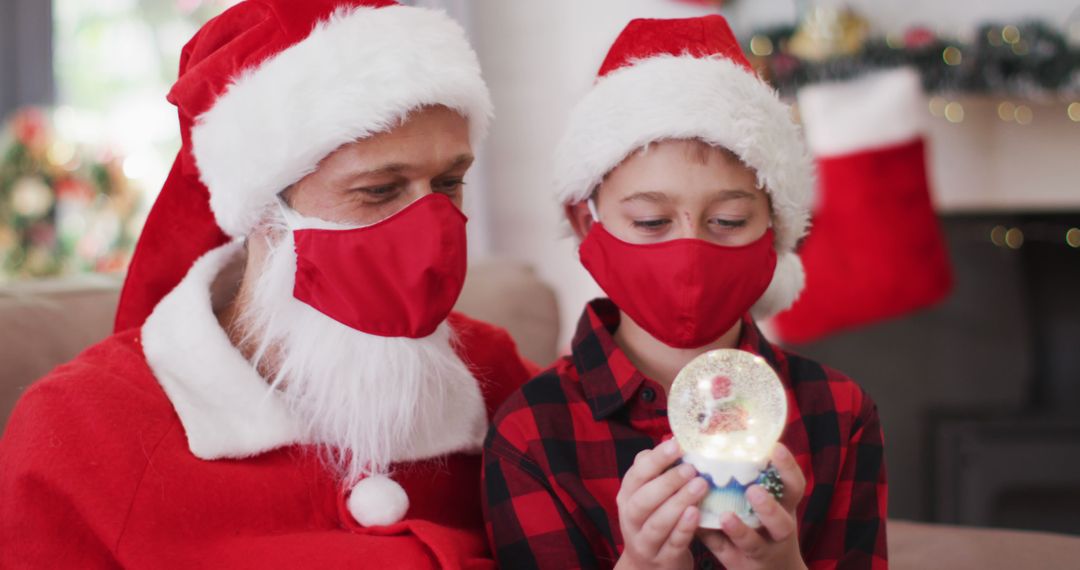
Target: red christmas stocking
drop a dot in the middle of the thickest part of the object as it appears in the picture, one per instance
(876, 250)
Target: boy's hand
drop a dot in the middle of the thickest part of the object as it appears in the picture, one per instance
(658, 512)
(776, 544)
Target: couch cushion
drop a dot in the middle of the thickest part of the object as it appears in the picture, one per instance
(46, 323)
(511, 295)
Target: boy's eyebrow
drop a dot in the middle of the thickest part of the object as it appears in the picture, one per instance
(655, 197)
(732, 194)
(719, 196)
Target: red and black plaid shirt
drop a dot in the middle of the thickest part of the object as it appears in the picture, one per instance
(559, 447)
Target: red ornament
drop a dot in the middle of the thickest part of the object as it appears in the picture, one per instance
(918, 37)
(29, 127)
(74, 189)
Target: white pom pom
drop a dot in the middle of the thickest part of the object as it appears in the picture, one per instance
(377, 501)
(787, 284)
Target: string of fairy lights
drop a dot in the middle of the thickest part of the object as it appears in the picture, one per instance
(1031, 67)
(1015, 237)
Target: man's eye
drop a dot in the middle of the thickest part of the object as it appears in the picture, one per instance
(379, 194)
(379, 190)
(449, 186)
(652, 225)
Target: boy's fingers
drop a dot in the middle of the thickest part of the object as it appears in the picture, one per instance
(776, 520)
(715, 541)
(743, 537)
(791, 475)
(647, 466)
(683, 533)
(658, 527)
(643, 504)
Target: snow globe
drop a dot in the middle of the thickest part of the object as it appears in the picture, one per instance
(727, 409)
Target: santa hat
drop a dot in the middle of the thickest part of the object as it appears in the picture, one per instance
(267, 90)
(689, 79)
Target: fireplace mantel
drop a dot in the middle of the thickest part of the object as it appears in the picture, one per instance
(986, 164)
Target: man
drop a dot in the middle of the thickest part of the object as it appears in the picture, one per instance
(287, 386)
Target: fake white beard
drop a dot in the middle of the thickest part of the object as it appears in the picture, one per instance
(367, 400)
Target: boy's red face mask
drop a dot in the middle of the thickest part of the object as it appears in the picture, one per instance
(685, 292)
(398, 278)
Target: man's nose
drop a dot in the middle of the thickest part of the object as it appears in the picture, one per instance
(419, 188)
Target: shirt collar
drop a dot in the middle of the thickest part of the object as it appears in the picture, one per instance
(608, 378)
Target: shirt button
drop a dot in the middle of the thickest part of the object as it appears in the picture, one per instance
(648, 394)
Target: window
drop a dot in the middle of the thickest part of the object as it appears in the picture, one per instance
(77, 179)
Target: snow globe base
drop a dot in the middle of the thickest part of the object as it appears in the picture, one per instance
(728, 481)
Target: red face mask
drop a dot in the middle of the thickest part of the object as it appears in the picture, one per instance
(399, 277)
(685, 292)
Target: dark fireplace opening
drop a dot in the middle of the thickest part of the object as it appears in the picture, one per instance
(1005, 469)
(979, 396)
(1041, 508)
(1020, 467)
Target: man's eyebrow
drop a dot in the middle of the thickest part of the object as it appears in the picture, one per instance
(399, 167)
(461, 160)
(391, 168)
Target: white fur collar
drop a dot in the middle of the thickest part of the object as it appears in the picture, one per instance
(227, 408)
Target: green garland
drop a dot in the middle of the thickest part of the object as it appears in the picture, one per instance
(1031, 60)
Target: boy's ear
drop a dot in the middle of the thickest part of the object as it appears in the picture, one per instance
(580, 218)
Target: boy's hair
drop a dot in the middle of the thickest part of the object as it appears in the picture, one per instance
(699, 151)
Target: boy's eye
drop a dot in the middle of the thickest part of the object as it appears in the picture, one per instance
(651, 225)
(728, 224)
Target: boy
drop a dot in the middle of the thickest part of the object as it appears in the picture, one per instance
(689, 185)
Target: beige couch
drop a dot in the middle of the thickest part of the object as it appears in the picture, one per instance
(43, 324)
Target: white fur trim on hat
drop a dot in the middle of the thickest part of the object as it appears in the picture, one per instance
(784, 289)
(711, 99)
(882, 109)
(377, 501)
(357, 74)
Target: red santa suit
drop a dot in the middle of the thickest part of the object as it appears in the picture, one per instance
(162, 446)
